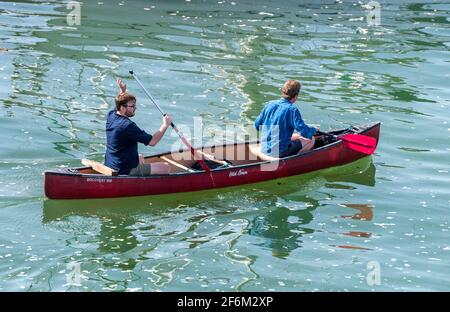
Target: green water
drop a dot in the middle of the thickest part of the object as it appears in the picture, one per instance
(221, 60)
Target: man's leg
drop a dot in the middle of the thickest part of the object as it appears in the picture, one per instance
(155, 168)
(160, 168)
(143, 170)
(307, 144)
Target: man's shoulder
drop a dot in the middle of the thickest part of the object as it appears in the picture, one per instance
(272, 103)
(118, 120)
(277, 101)
(110, 115)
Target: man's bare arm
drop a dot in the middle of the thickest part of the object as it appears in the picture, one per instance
(160, 133)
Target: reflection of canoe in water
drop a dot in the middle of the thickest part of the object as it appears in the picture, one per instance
(247, 167)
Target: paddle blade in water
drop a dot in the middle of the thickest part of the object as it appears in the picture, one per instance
(360, 143)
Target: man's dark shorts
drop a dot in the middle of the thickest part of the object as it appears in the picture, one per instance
(142, 170)
(293, 148)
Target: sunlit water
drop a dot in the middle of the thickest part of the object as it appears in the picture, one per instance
(325, 231)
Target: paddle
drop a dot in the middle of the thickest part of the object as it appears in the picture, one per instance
(357, 142)
(183, 139)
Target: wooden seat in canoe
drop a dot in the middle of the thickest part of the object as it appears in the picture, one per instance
(101, 168)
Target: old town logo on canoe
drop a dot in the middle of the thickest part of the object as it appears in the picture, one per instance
(240, 172)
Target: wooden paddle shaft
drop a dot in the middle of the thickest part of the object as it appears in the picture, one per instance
(183, 139)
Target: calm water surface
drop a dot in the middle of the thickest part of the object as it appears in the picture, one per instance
(221, 60)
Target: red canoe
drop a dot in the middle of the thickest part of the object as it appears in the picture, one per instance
(247, 167)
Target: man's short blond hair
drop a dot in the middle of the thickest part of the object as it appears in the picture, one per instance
(291, 89)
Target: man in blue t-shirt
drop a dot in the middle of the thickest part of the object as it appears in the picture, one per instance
(277, 122)
(123, 135)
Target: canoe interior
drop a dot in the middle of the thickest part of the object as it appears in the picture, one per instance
(238, 154)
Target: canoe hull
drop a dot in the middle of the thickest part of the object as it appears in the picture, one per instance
(64, 184)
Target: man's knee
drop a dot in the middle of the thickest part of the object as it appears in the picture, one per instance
(160, 168)
(307, 144)
(165, 167)
(311, 143)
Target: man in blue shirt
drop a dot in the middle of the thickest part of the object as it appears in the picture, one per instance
(277, 122)
(123, 135)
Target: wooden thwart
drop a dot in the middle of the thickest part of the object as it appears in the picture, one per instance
(99, 167)
(176, 164)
